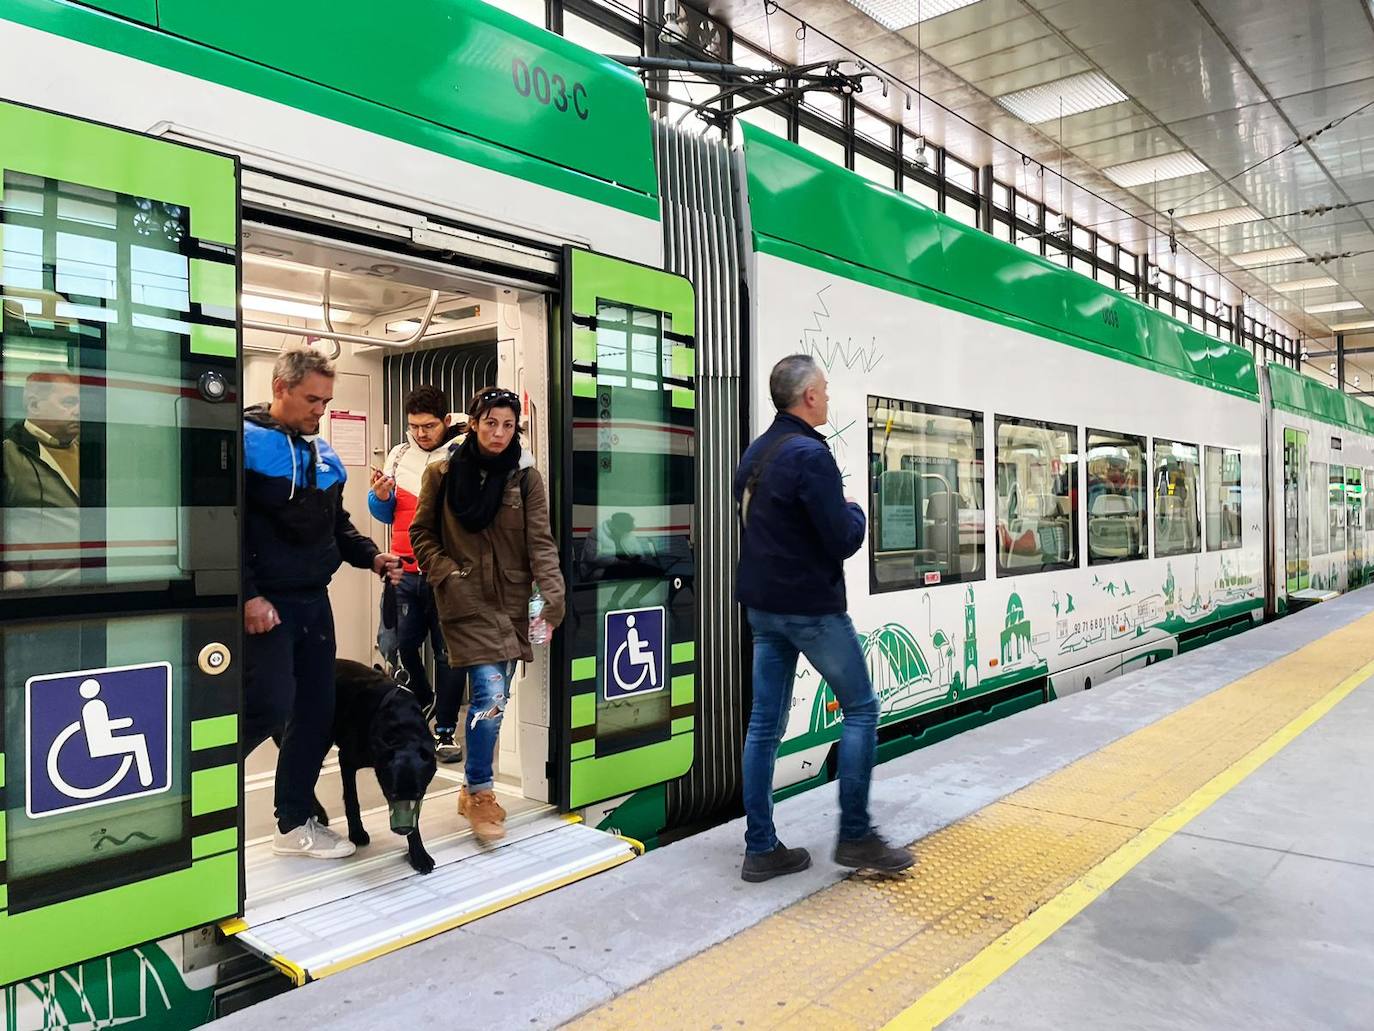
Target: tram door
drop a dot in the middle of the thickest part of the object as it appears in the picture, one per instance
(119, 608)
(1354, 527)
(627, 496)
(1296, 539)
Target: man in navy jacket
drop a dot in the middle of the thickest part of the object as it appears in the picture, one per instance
(798, 529)
(296, 534)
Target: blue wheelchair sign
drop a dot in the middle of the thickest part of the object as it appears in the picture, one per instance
(97, 736)
(634, 653)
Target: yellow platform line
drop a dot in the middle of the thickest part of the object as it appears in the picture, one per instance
(996, 883)
(943, 1001)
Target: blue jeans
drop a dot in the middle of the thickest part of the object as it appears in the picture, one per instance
(417, 617)
(489, 686)
(831, 645)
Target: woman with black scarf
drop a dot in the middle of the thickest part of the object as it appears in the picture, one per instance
(481, 534)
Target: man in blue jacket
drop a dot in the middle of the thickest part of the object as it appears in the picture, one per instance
(798, 529)
(296, 534)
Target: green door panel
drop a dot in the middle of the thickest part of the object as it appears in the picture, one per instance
(626, 511)
(120, 565)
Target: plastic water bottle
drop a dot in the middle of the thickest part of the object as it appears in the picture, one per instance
(539, 627)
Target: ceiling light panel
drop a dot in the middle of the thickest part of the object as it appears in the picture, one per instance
(1166, 166)
(1216, 219)
(1294, 286)
(1322, 309)
(1269, 256)
(900, 14)
(1346, 327)
(1078, 93)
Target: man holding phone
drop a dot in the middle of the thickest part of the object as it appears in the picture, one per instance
(392, 500)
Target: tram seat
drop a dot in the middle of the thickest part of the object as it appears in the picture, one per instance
(1113, 526)
(942, 528)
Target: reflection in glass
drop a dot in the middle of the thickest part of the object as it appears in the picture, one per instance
(1117, 527)
(1223, 499)
(926, 494)
(1037, 496)
(1176, 499)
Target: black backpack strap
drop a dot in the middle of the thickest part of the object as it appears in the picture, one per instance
(756, 473)
(525, 485)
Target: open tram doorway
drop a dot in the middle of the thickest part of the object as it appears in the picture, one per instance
(439, 323)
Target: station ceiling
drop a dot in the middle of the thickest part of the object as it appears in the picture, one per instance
(1202, 112)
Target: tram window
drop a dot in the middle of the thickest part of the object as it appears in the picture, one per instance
(1176, 498)
(1335, 506)
(1317, 495)
(99, 441)
(1117, 518)
(1223, 498)
(1369, 499)
(926, 493)
(1037, 496)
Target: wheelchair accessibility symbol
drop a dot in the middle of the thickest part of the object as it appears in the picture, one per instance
(633, 660)
(97, 736)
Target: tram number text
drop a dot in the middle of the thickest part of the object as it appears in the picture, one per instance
(548, 89)
(1111, 318)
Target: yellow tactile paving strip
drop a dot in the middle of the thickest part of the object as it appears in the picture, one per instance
(858, 954)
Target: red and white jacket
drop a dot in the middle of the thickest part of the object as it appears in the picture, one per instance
(405, 464)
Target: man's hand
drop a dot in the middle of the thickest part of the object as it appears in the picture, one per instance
(389, 566)
(260, 616)
(382, 485)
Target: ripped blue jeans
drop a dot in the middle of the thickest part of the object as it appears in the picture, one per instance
(488, 696)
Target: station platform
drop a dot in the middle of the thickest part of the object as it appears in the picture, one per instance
(1191, 845)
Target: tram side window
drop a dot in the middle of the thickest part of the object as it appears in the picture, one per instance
(96, 313)
(1317, 497)
(1037, 496)
(1176, 499)
(1117, 526)
(1335, 506)
(926, 493)
(1368, 499)
(1223, 498)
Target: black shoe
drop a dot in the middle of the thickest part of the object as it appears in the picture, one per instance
(445, 750)
(871, 852)
(778, 863)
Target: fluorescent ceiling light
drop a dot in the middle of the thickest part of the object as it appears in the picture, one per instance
(1217, 219)
(900, 14)
(295, 309)
(1166, 166)
(1321, 309)
(1346, 327)
(1294, 286)
(1270, 256)
(1084, 92)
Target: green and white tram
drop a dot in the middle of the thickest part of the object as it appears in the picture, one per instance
(1062, 484)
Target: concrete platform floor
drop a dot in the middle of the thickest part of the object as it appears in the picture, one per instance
(1253, 917)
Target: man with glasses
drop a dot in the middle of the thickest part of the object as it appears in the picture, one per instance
(392, 499)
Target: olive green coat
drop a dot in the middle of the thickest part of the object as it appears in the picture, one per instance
(483, 581)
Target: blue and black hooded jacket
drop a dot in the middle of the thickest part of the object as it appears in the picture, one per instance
(296, 531)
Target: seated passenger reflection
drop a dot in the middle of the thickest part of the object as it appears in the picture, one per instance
(613, 551)
(41, 464)
(42, 453)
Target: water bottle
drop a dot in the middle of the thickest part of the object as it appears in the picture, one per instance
(539, 627)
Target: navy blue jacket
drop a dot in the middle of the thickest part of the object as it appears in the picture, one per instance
(296, 532)
(799, 528)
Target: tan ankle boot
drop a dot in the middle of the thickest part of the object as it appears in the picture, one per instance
(484, 813)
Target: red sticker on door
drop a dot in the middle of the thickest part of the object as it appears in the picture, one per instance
(932, 579)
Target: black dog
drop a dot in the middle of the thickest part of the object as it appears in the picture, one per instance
(378, 724)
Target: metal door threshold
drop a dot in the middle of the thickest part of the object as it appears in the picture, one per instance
(464, 886)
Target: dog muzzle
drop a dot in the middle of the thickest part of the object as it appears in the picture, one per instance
(405, 816)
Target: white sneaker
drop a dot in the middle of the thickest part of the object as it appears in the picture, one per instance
(312, 840)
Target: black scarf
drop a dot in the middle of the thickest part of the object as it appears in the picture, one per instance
(477, 480)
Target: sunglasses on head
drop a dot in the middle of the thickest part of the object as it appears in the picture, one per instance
(499, 397)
